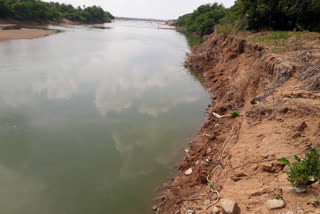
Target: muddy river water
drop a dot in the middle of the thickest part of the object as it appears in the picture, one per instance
(93, 120)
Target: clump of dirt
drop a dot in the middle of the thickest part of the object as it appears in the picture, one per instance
(278, 99)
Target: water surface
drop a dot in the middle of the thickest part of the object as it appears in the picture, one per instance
(93, 119)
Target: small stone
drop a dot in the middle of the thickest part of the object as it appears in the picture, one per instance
(302, 127)
(188, 172)
(204, 204)
(215, 210)
(299, 190)
(275, 204)
(208, 150)
(296, 135)
(289, 212)
(300, 211)
(154, 208)
(191, 212)
(273, 168)
(229, 207)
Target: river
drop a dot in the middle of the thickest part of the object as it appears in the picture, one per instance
(93, 120)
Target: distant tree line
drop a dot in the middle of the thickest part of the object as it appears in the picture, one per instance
(36, 10)
(255, 15)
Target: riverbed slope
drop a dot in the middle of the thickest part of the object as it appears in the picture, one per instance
(276, 89)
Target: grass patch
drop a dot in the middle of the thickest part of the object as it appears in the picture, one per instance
(226, 29)
(279, 38)
(278, 35)
(281, 41)
(192, 40)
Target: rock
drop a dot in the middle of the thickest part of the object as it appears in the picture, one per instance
(238, 176)
(300, 211)
(302, 127)
(273, 168)
(289, 212)
(229, 207)
(204, 204)
(154, 208)
(191, 212)
(316, 204)
(296, 135)
(188, 172)
(275, 204)
(215, 210)
(300, 189)
(208, 150)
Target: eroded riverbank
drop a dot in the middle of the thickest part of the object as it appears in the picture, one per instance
(276, 92)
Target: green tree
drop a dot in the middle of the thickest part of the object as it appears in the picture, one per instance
(5, 10)
(37, 10)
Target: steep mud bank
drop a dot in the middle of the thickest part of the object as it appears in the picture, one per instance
(278, 98)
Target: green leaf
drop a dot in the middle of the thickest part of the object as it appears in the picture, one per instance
(284, 160)
(297, 158)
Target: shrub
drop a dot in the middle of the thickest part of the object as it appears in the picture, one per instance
(234, 114)
(304, 171)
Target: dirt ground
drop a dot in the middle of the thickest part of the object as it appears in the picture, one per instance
(277, 94)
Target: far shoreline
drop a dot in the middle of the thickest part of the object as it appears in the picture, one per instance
(30, 32)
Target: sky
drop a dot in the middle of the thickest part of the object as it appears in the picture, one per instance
(159, 9)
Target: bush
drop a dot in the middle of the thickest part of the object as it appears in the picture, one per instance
(234, 114)
(304, 171)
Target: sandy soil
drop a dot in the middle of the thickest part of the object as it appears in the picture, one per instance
(24, 34)
(278, 98)
(6, 25)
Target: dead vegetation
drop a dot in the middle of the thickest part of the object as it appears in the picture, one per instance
(311, 76)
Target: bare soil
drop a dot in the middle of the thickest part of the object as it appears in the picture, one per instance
(278, 98)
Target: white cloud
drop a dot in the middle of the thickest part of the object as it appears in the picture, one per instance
(163, 106)
(56, 86)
